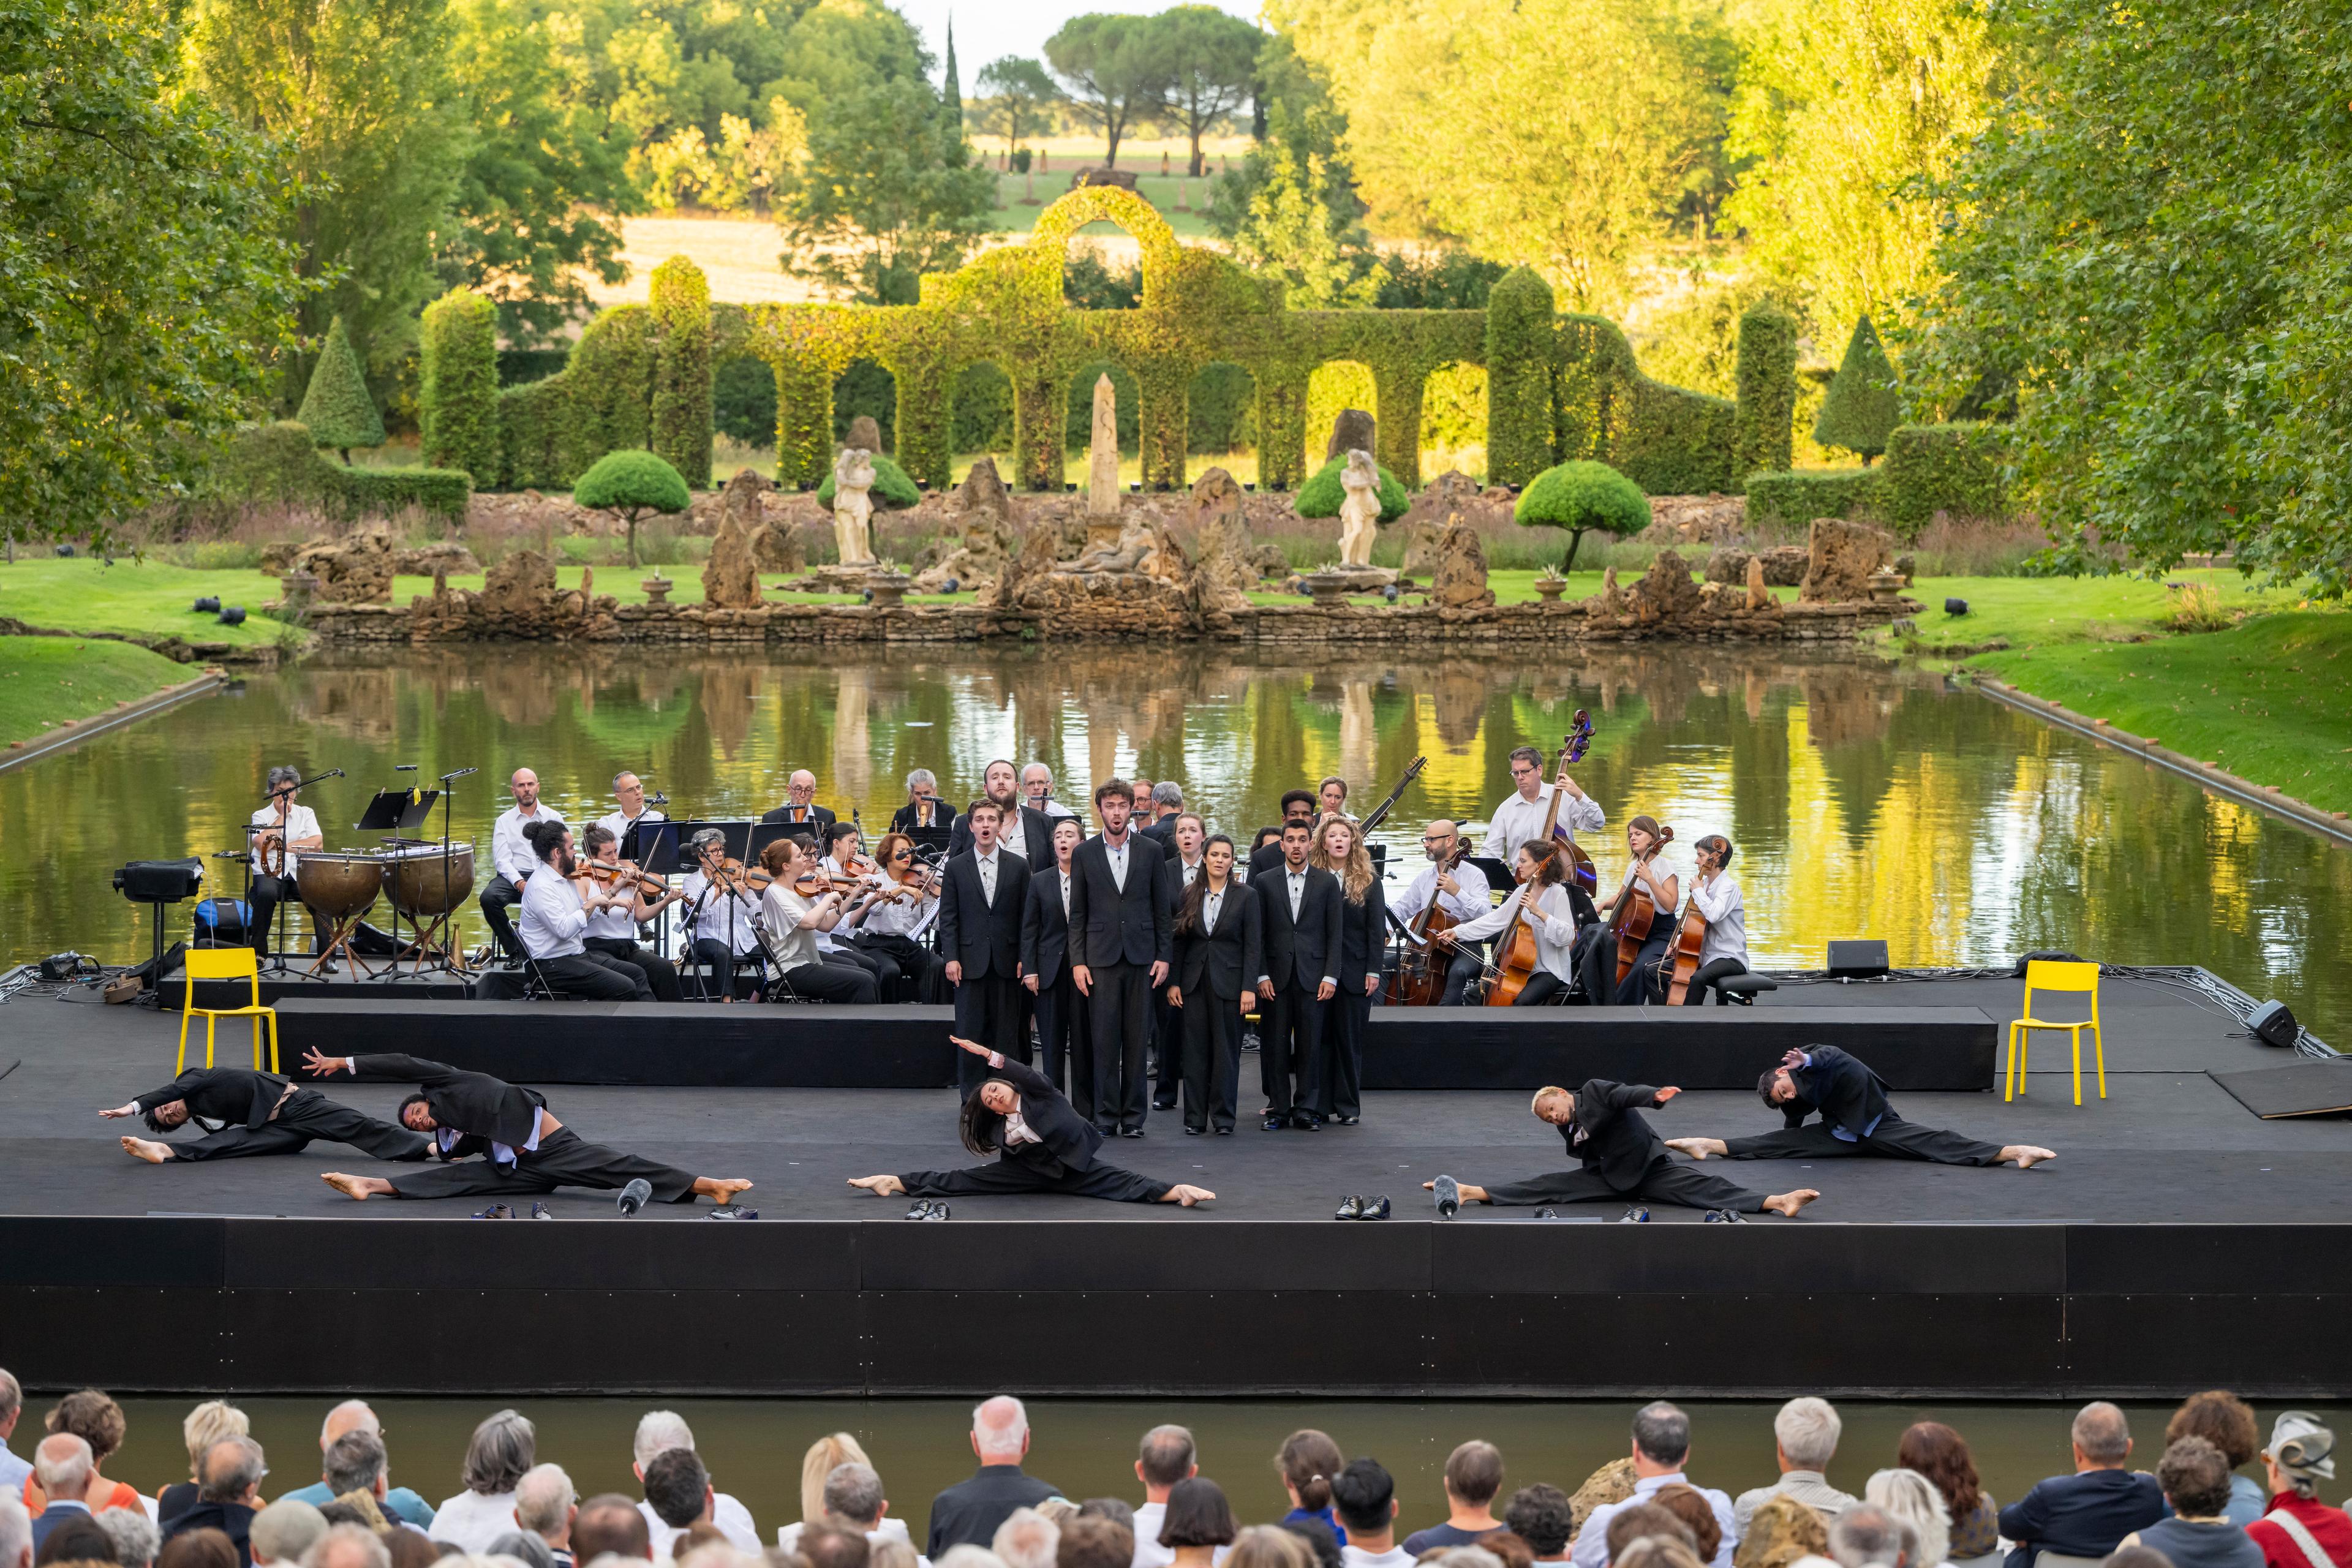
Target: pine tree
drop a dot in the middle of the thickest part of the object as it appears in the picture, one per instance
(337, 409)
(1866, 401)
(952, 99)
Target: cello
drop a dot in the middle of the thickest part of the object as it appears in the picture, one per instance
(1689, 939)
(1515, 956)
(1637, 912)
(1420, 978)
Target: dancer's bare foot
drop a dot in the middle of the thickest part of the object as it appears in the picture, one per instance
(1470, 1194)
(1699, 1147)
(880, 1186)
(2027, 1156)
(156, 1154)
(359, 1188)
(1789, 1203)
(722, 1188)
(1187, 1195)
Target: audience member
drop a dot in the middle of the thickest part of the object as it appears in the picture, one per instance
(1307, 1462)
(694, 1539)
(677, 1496)
(1267, 1546)
(1698, 1514)
(205, 1424)
(2299, 1530)
(829, 1545)
(356, 1415)
(525, 1547)
(97, 1420)
(15, 1524)
(1322, 1543)
(1782, 1532)
(1474, 1474)
(1867, 1536)
(546, 1503)
(2227, 1421)
(284, 1531)
(2195, 1476)
(970, 1557)
(1166, 1457)
(968, 1513)
(1942, 1455)
(1636, 1521)
(1661, 1453)
(889, 1551)
(77, 1538)
(609, 1524)
(350, 1546)
(2086, 1514)
(1542, 1516)
(1199, 1527)
(1465, 1557)
(1804, 1439)
(1060, 1510)
(824, 1456)
(204, 1549)
(411, 1548)
(853, 1495)
(502, 1448)
(1116, 1509)
(231, 1493)
(14, 1471)
(1513, 1552)
(659, 1431)
(134, 1535)
(1090, 1540)
(61, 1472)
(1363, 1497)
(1027, 1538)
(1659, 1551)
(1912, 1497)
(2135, 1557)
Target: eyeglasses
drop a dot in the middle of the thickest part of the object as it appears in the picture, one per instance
(1438, 838)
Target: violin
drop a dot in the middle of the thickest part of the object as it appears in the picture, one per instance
(816, 884)
(619, 876)
(1637, 912)
(736, 878)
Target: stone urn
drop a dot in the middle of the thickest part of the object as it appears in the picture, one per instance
(889, 589)
(299, 589)
(1885, 585)
(1549, 589)
(1329, 590)
(657, 589)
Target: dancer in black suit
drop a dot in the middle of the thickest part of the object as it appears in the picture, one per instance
(979, 934)
(1619, 1157)
(1363, 934)
(1299, 913)
(1120, 946)
(1024, 830)
(1061, 1011)
(1856, 1118)
(241, 1111)
(1217, 952)
(1047, 1147)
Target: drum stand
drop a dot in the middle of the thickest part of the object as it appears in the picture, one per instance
(338, 936)
(447, 958)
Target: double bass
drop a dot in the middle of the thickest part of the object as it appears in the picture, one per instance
(1637, 912)
(1517, 959)
(1690, 938)
(1420, 978)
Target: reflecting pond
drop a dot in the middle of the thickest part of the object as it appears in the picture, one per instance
(1863, 800)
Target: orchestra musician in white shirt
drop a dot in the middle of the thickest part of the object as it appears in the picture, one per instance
(1716, 893)
(282, 821)
(1461, 891)
(512, 860)
(1521, 816)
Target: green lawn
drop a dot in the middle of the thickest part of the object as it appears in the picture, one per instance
(2040, 611)
(44, 681)
(140, 599)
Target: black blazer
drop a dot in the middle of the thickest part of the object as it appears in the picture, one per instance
(1265, 858)
(1304, 952)
(942, 815)
(1608, 1133)
(471, 1103)
(1846, 1093)
(1110, 924)
(237, 1096)
(1162, 831)
(1227, 960)
(1363, 934)
(968, 1513)
(984, 938)
(820, 817)
(1067, 1136)
(1036, 836)
(1044, 928)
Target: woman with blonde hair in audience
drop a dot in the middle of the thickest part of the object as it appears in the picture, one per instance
(207, 1424)
(1269, 1546)
(97, 1420)
(1912, 1497)
(832, 1450)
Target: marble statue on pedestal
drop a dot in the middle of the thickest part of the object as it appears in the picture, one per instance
(853, 508)
(1360, 512)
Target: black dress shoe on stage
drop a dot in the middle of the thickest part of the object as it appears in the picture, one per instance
(1347, 1121)
(1350, 1208)
(1449, 1197)
(1131, 1131)
(1375, 1208)
(1307, 1122)
(1275, 1123)
(1224, 1131)
(1724, 1217)
(1636, 1214)
(1195, 1132)
(1163, 1105)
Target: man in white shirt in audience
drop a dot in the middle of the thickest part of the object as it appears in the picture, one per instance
(1661, 1449)
(1166, 1458)
(1363, 1500)
(659, 1431)
(512, 858)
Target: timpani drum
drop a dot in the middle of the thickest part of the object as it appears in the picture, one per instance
(337, 885)
(424, 886)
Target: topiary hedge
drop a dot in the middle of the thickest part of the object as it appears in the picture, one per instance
(1320, 496)
(1763, 429)
(336, 408)
(1520, 353)
(892, 490)
(1955, 468)
(382, 492)
(457, 402)
(1865, 400)
(280, 463)
(681, 401)
(1581, 496)
(1792, 500)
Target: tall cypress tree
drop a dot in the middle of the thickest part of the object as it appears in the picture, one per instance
(337, 409)
(1866, 401)
(952, 100)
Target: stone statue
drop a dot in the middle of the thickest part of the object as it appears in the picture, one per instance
(1360, 513)
(1102, 453)
(852, 509)
(1135, 541)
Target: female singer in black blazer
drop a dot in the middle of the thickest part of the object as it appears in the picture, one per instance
(1363, 934)
(1062, 1028)
(1217, 966)
(1045, 1147)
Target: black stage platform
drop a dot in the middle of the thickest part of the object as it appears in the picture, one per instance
(2176, 1243)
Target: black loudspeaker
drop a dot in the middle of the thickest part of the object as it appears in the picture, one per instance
(160, 881)
(1857, 959)
(2046, 955)
(2275, 1025)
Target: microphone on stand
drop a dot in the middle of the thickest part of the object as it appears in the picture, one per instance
(633, 1196)
(404, 767)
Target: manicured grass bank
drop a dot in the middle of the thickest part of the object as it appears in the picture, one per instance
(46, 681)
(145, 599)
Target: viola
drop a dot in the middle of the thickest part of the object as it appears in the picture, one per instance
(1637, 912)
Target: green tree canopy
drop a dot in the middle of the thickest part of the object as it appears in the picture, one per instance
(1114, 70)
(877, 204)
(1579, 497)
(1020, 97)
(632, 485)
(1866, 402)
(1291, 209)
(336, 408)
(1212, 61)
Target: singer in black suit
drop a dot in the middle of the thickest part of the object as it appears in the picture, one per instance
(1122, 946)
(1023, 829)
(1061, 1011)
(525, 1148)
(1856, 1118)
(1217, 953)
(1299, 913)
(251, 1112)
(1050, 1148)
(1363, 934)
(980, 937)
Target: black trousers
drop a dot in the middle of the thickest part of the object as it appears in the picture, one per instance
(261, 907)
(1468, 962)
(1704, 981)
(989, 1009)
(1065, 1035)
(826, 981)
(1892, 1138)
(1543, 988)
(917, 967)
(1291, 1029)
(660, 975)
(1029, 1169)
(1596, 966)
(563, 1159)
(497, 898)
(1119, 1012)
(1167, 1050)
(880, 965)
(721, 960)
(593, 974)
(1212, 1058)
(303, 1117)
(1350, 1019)
(1664, 1182)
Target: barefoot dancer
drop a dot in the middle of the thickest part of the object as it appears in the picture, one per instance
(1620, 1157)
(527, 1150)
(241, 1113)
(1857, 1118)
(1047, 1147)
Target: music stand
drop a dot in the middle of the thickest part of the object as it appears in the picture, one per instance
(738, 834)
(651, 839)
(394, 812)
(930, 841)
(741, 840)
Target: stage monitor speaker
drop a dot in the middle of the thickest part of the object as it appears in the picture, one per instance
(1857, 958)
(2275, 1025)
(160, 881)
(2047, 955)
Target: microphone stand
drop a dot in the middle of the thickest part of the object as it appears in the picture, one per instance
(450, 959)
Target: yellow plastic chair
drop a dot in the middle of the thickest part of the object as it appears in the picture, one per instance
(227, 963)
(2051, 974)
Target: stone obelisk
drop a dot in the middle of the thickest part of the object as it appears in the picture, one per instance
(1102, 469)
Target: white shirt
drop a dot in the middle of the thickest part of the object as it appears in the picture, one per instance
(729, 918)
(987, 864)
(1066, 893)
(792, 944)
(903, 917)
(301, 822)
(620, 920)
(1727, 919)
(1209, 906)
(1016, 1130)
(13, 1470)
(1151, 1518)
(500, 1153)
(1052, 808)
(1297, 881)
(1519, 819)
(1554, 924)
(618, 826)
(1354, 1556)
(733, 1520)
(1117, 856)
(552, 921)
(510, 853)
(471, 1520)
(1591, 1549)
(788, 1536)
(1473, 900)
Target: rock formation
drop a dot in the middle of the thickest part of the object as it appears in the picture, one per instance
(1452, 493)
(432, 560)
(1759, 597)
(1351, 431)
(518, 600)
(1140, 585)
(1666, 592)
(1458, 580)
(1359, 511)
(730, 578)
(777, 546)
(1784, 565)
(981, 511)
(1839, 558)
(1225, 572)
(354, 570)
(1696, 519)
(853, 508)
(1035, 558)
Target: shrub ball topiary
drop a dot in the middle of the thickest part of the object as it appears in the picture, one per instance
(631, 484)
(892, 490)
(1866, 402)
(337, 408)
(1320, 496)
(1580, 497)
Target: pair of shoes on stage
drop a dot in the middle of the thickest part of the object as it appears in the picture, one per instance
(1634, 1215)
(922, 1209)
(1131, 1131)
(1363, 1208)
(1449, 1196)
(506, 1211)
(1724, 1216)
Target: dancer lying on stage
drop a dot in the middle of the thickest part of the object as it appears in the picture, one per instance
(527, 1149)
(1620, 1158)
(242, 1112)
(1857, 1118)
(1047, 1147)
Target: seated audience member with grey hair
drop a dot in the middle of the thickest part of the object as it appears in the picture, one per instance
(1661, 1444)
(1474, 1474)
(14, 1469)
(2089, 1513)
(1542, 1516)
(1865, 1536)
(62, 1463)
(825, 1544)
(1165, 1457)
(1094, 1540)
(1804, 1439)
(1912, 1499)
(136, 1539)
(2299, 1529)
(545, 1505)
(398, 1502)
(282, 1532)
(853, 1496)
(659, 1431)
(610, 1525)
(2195, 1476)
(678, 1495)
(347, 1546)
(502, 1448)
(1363, 1500)
(1027, 1538)
(230, 1494)
(525, 1548)
(968, 1513)
(15, 1527)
